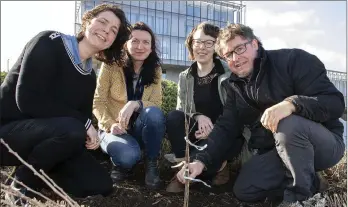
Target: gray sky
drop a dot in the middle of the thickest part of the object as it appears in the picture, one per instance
(318, 27)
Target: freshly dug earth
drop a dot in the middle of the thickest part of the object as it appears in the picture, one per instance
(134, 193)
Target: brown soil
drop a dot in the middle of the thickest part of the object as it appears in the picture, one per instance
(134, 193)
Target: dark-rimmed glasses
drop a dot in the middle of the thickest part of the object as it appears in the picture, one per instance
(207, 43)
(240, 49)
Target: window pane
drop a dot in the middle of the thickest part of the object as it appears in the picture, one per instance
(237, 16)
(143, 15)
(174, 48)
(151, 19)
(204, 10)
(134, 14)
(135, 3)
(126, 2)
(175, 7)
(210, 11)
(143, 4)
(127, 11)
(159, 5)
(166, 48)
(175, 25)
(151, 4)
(182, 7)
(167, 23)
(167, 6)
(189, 10)
(217, 12)
(223, 14)
(230, 16)
(182, 31)
(196, 21)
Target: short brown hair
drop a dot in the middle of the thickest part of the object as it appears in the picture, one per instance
(115, 52)
(208, 29)
(231, 31)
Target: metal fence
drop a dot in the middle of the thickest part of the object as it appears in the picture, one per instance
(339, 79)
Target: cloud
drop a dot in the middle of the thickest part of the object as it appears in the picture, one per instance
(266, 18)
(274, 43)
(332, 60)
(290, 2)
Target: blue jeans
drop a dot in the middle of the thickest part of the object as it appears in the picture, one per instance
(147, 131)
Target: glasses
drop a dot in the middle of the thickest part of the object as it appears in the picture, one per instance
(207, 43)
(240, 49)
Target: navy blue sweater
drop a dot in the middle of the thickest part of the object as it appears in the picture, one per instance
(45, 83)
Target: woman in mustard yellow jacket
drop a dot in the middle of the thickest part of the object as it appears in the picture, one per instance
(127, 105)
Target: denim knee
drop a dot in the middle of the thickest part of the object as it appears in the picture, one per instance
(124, 156)
(154, 116)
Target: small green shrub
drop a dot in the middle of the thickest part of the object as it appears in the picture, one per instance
(2, 76)
(169, 90)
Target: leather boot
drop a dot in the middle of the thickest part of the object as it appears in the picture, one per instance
(118, 174)
(152, 179)
(223, 175)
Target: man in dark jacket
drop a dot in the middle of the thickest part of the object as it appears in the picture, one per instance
(291, 109)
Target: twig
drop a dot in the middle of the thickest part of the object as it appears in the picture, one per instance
(187, 153)
(67, 199)
(9, 190)
(28, 188)
(59, 188)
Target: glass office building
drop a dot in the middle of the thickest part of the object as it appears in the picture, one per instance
(172, 21)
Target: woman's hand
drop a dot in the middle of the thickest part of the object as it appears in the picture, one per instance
(92, 141)
(126, 113)
(205, 126)
(116, 129)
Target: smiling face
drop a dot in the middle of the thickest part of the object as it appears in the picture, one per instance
(240, 54)
(139, 46)
(102, 30)
(202, 46)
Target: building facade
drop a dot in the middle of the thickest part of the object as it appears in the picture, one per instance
(172, 21)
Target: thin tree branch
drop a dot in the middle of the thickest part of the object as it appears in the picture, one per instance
(66, 198)
(28, 188)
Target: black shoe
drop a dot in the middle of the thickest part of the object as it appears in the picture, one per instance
(118, 174)
(152, 179)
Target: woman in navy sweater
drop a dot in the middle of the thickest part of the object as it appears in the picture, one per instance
(46, 104)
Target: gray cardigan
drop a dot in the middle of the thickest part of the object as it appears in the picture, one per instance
(185, 90)
(185, 95)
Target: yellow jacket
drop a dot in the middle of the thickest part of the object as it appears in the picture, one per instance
(111, 95)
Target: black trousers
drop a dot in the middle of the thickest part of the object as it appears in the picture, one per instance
(176, 132)
(303, 147)
(57, 146)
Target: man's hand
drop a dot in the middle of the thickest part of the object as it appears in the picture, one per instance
(205, 126)
(116, 129)
(126, 113)
(92, 141)
(195, 169)
(271, 117)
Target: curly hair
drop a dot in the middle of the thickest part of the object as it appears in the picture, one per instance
(231, 31)
(208, 29)
(151, 63)
(115, 52)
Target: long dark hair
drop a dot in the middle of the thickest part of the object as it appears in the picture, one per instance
(151, 63)
(115, 52)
